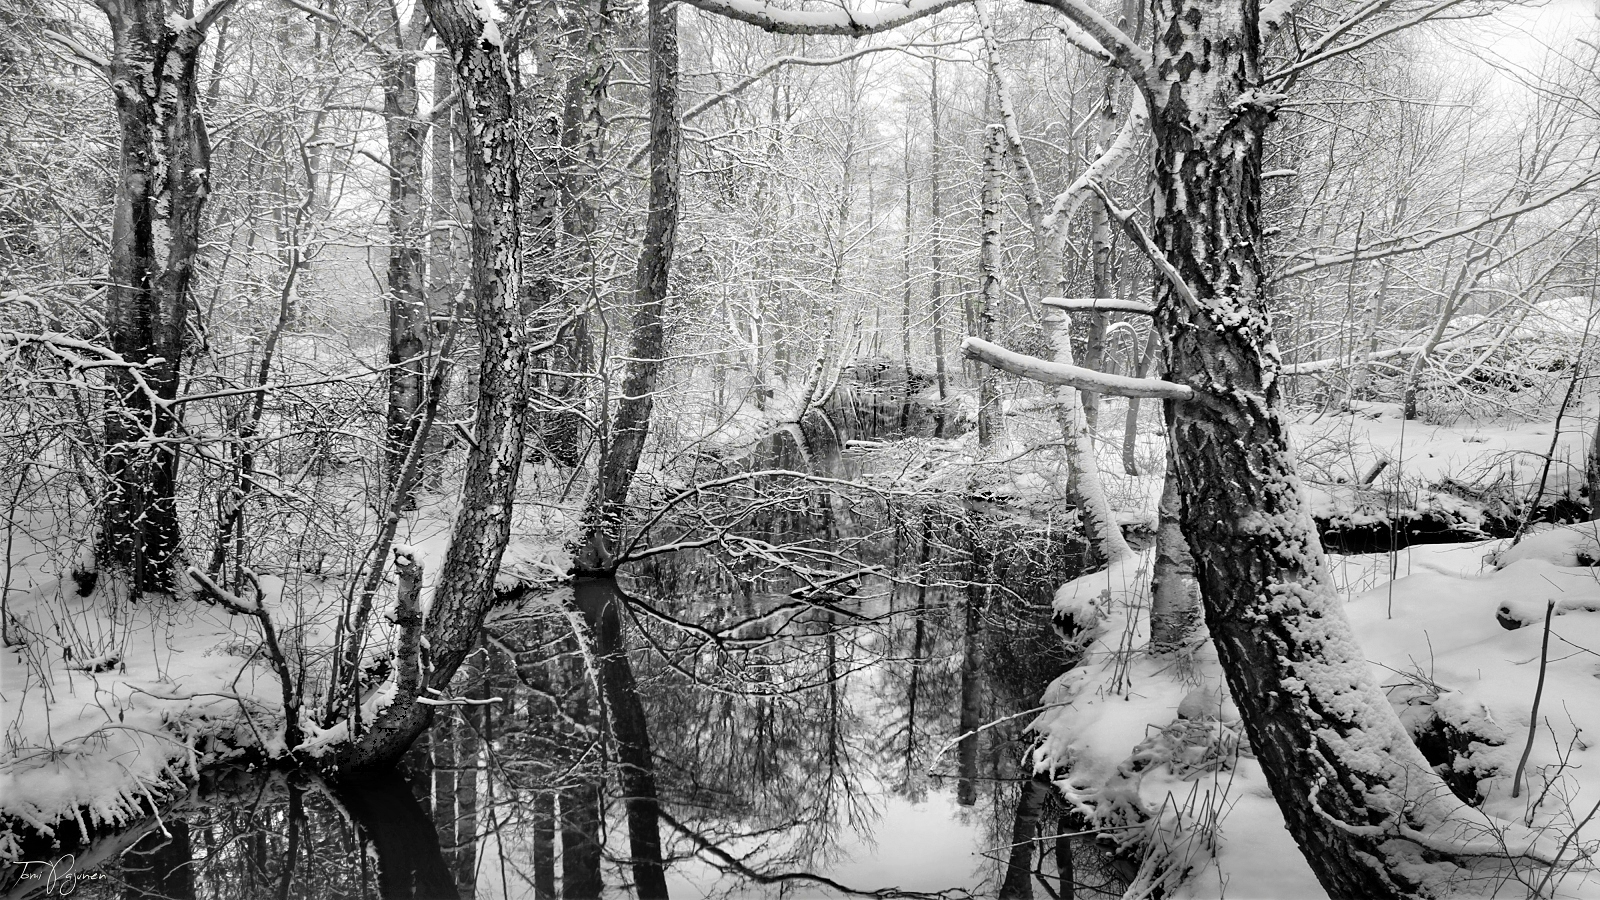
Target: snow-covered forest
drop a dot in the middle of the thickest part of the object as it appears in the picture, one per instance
(800, 448)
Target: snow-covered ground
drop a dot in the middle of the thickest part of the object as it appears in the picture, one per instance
(116, 701)
(1152, 746)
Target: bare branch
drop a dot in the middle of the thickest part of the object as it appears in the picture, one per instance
(841, 21)
(1423, 240)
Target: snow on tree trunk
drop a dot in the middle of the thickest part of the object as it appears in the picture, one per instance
(162, 183)
(1083, 472)
(1356, 794)
(465, 587)
(989, 286)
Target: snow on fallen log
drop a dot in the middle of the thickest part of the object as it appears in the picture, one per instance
(1078, 377)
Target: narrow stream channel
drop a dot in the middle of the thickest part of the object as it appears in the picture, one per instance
(807, 679)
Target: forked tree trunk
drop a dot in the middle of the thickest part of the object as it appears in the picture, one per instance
(162, 183)
(465, 588)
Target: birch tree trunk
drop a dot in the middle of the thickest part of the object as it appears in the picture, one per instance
(1353, 788)
(989, 287)
(161, 188)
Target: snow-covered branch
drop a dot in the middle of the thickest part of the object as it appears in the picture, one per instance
(1124, 51)
(1423, 240)
(1052, 373)
(841, 21)
(1099, 304)
(1067, 202)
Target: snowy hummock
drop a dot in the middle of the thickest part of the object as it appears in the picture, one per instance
(1432, 638)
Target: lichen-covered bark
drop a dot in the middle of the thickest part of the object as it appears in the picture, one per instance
(465, 589)
(1355, 792)
(162, 183)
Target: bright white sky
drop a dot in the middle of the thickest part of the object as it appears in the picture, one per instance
(1523, 35)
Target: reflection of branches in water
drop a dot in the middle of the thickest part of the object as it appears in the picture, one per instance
(727, 862)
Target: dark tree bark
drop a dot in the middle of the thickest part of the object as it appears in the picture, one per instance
(544, 846)
(161, 188)
(410, 861)
(1353, 788)
(406, 277)
(595, 590)
(581, 851)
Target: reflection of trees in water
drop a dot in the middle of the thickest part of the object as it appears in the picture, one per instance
(830, 650)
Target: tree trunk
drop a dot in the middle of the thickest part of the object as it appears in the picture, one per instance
(162, 183)
(544, 846)
(1130, 419)
(1094, 347)
(465, 588)
(1174, 594)
(989, 286)
(581, 850)
(971, 712)
(906, 275)
(936, 217)
(410, 861)
(406, 277)
(1341, 765)
(600, 603)
(1084, 487)
(1018, 884)
(595, 587)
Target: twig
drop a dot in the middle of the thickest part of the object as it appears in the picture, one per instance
(1538, 691)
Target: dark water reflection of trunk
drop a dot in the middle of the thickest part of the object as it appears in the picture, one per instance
(787, 701)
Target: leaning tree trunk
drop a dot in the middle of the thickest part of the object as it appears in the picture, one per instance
(465, 588)
(162, 183)
(1355, 792)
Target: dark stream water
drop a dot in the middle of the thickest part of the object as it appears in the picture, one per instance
(806, 680)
